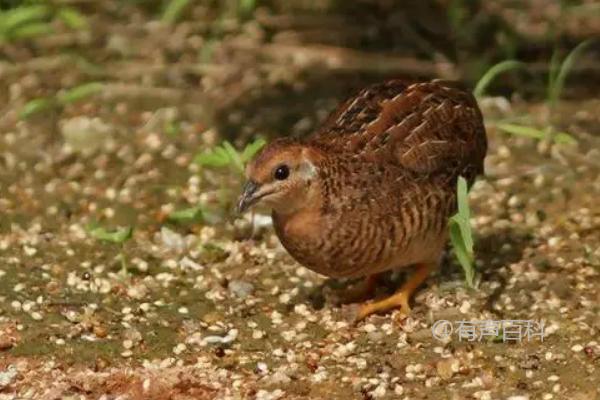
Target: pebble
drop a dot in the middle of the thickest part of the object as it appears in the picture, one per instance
(36, 316)
(230, 337)
(8, 376)
(240, 289)
(447, 367)
(180, 348)
(577, 348)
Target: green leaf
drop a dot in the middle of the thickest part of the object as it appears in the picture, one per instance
(192, 214)
(31, 30)
(12, 19)
(534, 133)
(461, 235)
(213, 158)
(80, 92)
(234, 156)
(207, 51)
(522, 130)
(72, 18)
(119, 235)
(557, 84)
(172, 128)
(246, 7)
(174, 10)
(465, 259)
(492, 73)
(251, 149)
(37, 106)
(463, 200)
(564, 138)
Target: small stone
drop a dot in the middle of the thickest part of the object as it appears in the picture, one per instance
(36, 316)
(180, 348)
(172, 240)
(8, 376)
(99, 331)
(85, 134)
(240, 289)
(447, 367)
(398, 390)
(577, 348)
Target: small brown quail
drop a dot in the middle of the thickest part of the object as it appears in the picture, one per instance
(373, 188)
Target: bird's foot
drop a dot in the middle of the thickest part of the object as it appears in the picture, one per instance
(397, 300)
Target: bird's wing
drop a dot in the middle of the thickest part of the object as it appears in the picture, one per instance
(424, 127)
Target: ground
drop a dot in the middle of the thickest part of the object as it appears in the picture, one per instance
(215, 308)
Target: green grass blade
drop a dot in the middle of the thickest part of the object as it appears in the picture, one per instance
(492, 73)
(30, 30)
(463, 199)
(72, 18)
(234, 156)
(12, 19)
(80, 92)
(522, 130)
(174, 10)
(246, 7)
(118, 235)
(217, 157)
(460, 232)
(251, 149)
(37, 106)
(465, 259)
(208, 50)
(557, 84)
(564, 138)
(192, 214)
(552, 72)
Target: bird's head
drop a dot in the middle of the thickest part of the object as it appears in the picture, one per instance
(282, 177)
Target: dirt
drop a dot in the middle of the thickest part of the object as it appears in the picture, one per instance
(215, 308)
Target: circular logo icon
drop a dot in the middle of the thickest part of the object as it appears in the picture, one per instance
(442, 329)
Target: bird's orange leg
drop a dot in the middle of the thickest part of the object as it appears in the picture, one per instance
(400, 298)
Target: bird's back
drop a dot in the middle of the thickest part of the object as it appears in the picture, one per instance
(431, 128)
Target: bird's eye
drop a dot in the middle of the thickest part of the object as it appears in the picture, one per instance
(282, 172)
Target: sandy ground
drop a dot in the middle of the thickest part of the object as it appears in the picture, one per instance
(213, 307)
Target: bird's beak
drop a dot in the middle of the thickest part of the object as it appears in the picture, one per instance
(248, 196)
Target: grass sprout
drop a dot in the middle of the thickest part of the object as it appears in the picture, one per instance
(173, 11)
(534, 133)
(560, 70)
(461, 235)
(80, 92)
(187, 215)
(117, 236)
(72, 18)
(246, 7)
(35, 20)
(492, 73)
(37, 106)
(226, 155)
(70, 96)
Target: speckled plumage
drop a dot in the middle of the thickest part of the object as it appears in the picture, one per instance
(373, 188)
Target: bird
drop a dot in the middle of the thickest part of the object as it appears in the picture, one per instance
(373, 188)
